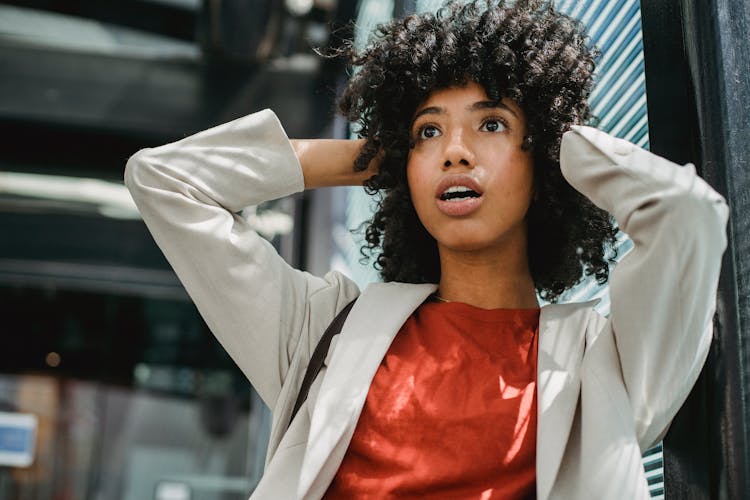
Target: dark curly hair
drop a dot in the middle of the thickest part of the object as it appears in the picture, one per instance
(525, 51)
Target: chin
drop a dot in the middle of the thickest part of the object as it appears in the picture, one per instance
(465, 244)
(480, 238)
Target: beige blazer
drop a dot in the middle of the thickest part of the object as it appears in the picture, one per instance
(607, 388)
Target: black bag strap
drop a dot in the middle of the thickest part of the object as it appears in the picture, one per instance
(319, 356)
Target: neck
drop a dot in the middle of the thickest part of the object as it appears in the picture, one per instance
(490, 280)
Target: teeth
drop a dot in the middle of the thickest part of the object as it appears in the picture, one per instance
(457, 189)
(458, 193)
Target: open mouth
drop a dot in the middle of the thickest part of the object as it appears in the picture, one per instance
(458, 193)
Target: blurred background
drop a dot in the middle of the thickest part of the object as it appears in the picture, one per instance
(111, 385)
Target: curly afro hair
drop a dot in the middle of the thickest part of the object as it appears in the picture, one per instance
(525, 51)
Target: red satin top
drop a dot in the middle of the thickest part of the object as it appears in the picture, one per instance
(451, 411)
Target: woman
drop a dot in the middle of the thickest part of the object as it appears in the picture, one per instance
(448, 380)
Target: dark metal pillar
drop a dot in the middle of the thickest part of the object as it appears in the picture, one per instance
(697, 57)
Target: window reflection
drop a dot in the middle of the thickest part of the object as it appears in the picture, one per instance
(141, 402)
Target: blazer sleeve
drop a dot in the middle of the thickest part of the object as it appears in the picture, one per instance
(663, 292)
(189, 193)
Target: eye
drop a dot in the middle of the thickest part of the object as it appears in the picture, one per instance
(493, 125)
(428, 132)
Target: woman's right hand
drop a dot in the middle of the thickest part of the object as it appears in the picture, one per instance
(330, 162)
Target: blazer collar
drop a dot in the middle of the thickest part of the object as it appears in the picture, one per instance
(562, 337)
(373, 322)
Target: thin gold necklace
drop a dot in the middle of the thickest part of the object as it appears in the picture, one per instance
(439, 298)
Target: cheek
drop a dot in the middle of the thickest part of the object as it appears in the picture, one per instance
(515, 186)
(421, 194)
(416, 178)
(522, 173)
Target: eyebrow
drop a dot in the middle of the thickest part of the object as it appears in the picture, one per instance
(491, 105)
(479, 105)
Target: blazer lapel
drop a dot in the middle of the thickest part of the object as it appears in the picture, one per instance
(373, 322)
(562, 330)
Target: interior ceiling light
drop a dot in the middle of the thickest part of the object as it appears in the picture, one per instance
(299, 7)
(113, 200)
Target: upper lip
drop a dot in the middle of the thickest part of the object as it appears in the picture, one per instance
(457, 180)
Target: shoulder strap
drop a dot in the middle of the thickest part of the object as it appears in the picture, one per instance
(319, 356)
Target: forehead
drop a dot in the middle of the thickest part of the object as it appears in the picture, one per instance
(464, 97)
(471, 91)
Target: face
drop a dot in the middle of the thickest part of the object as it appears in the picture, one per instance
(470, 181)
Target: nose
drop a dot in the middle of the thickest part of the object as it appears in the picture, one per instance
(457, 152)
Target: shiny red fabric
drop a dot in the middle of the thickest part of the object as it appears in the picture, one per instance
(451, 412)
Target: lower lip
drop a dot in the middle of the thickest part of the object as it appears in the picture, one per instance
(459, 208)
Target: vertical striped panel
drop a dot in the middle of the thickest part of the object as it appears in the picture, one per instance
(618, 100)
